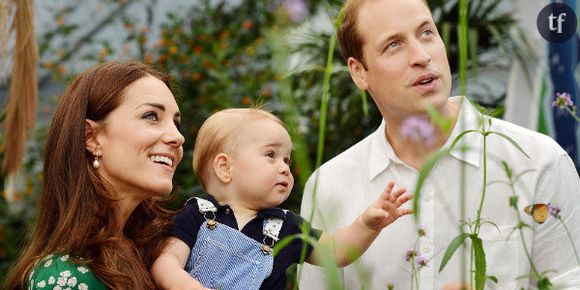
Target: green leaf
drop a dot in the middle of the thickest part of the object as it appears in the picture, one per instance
(480, 266)
(509, 139)
(514, 201)
(492, 278)
(423, 174)
(545, 284)
(458, 241)
(460, 136)
(507, 170)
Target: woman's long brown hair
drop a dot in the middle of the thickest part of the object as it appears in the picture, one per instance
(77, 211)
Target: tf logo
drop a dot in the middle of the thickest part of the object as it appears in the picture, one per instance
(556, 22)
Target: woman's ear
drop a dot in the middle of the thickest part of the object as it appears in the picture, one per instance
(91, 131)
(222, 168)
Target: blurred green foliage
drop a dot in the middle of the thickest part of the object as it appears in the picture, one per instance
(220, 56)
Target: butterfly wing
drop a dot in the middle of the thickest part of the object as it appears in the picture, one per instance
(540, 213)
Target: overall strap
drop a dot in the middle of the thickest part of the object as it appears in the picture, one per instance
(272, 227)
(205, 205)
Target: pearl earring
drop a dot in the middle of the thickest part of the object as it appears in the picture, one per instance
(96, 162)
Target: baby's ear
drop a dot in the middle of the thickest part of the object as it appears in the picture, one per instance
(222, 168)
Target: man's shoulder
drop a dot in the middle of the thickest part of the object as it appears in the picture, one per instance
(354, 156)
(534, 143)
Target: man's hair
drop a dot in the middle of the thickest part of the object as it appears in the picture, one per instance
(221, 133)
(349, 39)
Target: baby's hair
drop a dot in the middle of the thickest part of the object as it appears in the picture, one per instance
(221, 133)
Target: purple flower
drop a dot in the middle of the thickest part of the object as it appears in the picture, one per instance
(418, 129)
(563, 101)
(554, 210)
(421, 232)
(410, 255)
(297, 10)
(422, 261)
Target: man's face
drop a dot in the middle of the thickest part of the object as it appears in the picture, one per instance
(406, 62)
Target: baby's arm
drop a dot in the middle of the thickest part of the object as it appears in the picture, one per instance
(168, 269)
(348, 243)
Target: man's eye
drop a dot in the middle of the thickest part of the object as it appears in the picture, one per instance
(427, 32)
(391, 45)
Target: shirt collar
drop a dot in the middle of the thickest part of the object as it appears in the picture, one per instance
(269, 212)
(469, 119)
(381, 153)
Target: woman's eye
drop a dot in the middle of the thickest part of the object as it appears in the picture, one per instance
(178, 125)
(151, 116)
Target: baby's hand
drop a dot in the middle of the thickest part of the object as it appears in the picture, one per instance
(386, 209)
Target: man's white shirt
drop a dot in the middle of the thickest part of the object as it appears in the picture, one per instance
(351, 181)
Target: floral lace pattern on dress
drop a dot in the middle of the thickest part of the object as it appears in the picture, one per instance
(57, 272)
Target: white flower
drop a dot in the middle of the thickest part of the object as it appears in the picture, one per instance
(83, 286)
(56, 288)
(72, 282)
(65, 274)
(61, 282)
(82, 269)
(64, 258)
(48, 263)
(41, 284)
(51, 280)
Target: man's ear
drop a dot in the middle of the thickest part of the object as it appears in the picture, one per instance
(358, 73)
(91, 131)
(222, 168)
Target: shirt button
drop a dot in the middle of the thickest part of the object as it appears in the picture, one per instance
(427, 197)
(425, 248)
(228, 211)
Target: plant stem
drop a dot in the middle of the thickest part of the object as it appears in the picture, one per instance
(573, 114)
(571, 240)
(478, 218)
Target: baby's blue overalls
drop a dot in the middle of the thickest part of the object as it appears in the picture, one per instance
(225, 258)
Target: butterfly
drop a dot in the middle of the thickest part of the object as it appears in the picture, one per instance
(539, 211)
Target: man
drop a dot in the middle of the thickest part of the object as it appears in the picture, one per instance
(394, 52)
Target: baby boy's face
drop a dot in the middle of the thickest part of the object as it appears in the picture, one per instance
(261, 164)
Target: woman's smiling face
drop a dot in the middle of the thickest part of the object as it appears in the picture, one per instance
(140, 141)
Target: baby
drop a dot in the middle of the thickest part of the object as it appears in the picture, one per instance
(242, 159)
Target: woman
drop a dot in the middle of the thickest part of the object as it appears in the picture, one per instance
(111, 152)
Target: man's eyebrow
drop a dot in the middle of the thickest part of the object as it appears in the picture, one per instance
(389, 38)
(386, 40)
